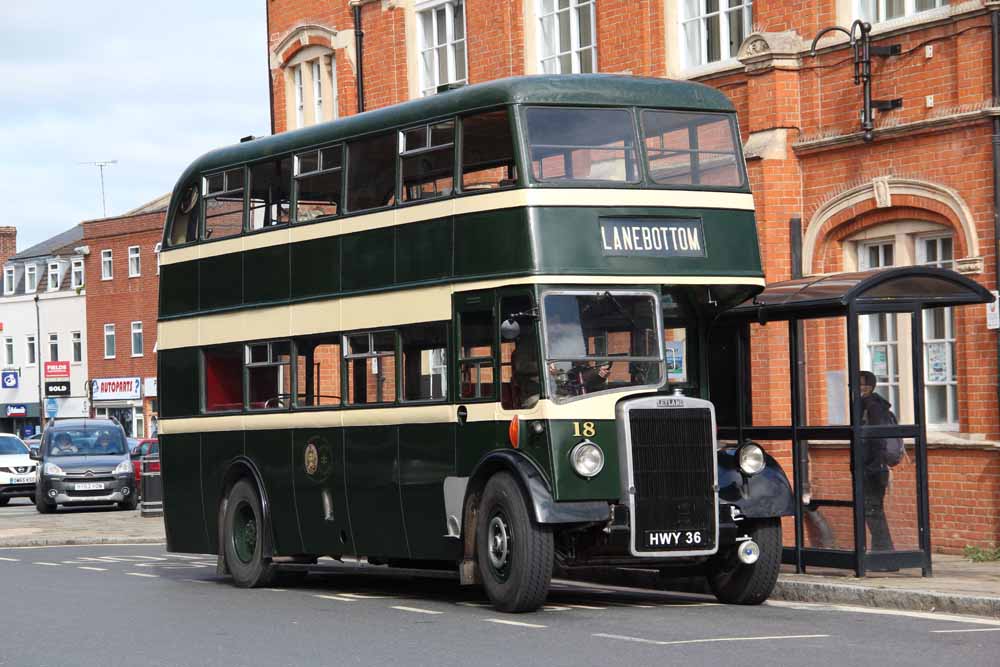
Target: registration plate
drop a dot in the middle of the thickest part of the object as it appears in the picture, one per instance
(89, 486)
(676, 539)
(30, 479)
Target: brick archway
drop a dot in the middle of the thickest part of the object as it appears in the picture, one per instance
(882, 200)
(300, 38)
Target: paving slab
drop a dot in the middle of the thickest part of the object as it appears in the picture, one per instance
(22, 526)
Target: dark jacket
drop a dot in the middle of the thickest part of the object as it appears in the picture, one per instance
(875, 411)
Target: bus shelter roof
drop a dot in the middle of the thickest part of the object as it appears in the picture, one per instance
(831, 295)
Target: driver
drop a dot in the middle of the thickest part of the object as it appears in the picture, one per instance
(63, 444)
(103, 444)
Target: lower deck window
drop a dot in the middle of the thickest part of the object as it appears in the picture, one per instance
(425, 370)
(223, 373)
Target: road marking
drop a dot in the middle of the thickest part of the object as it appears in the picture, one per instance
(633, 605)
(553, 607)
(11, 560)
(92, 569)
(277, 590)
(150, 557)
(42, 562)
(143, 574)
(520, 624)
(930, 616)
(199, 581)
(585, 606)
(641, 640)
(474, 604)
(70, 562)
(968, 630)
(339, 598)
(185, 556)
(364, 596)
(417, 610)
(690, 604)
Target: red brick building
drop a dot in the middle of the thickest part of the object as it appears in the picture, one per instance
(122, 275)
(920, 192)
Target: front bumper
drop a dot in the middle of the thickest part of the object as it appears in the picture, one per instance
(17, 490)
(65, 491)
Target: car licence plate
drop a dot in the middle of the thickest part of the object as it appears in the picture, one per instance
(30, 479)
(89, 486)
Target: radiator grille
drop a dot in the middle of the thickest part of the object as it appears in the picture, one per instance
(673, 459)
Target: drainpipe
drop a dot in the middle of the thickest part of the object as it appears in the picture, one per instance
(995, 30)
(39, 365)
(270, 81)
(359, 38)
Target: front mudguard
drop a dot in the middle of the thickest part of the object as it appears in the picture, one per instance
(764, 495)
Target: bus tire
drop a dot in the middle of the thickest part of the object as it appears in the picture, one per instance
(733, 582)
(244, 538)
(515, 554)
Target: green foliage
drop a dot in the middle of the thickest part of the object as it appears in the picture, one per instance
(980, 555)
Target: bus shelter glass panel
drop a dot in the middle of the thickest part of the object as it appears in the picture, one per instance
(827, 496)
(770, 396)
(825, 398)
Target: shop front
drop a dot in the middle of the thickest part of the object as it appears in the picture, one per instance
(121, 399)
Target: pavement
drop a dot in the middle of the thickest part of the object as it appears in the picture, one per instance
(959, 586)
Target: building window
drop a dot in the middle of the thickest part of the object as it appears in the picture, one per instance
(8, 280)
(879, 337)
(940, 372)
(77, 338)
(8, 351)
(32, 351)
(313, 87)
(133, 262)
(137, 339)
(76, 274)
(53, 276)
(877, 11)
(156, 253)
(442, 45)
(300, 105)
(53, 347)
(109, 341)
(713, 30)
(107, 272)
(568, 36)
(30, 278)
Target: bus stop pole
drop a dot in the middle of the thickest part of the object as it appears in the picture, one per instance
(857, 456)
(798, 469)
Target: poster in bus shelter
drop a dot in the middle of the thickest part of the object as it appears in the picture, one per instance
(675, 361)
(937, 362)
(880, 362)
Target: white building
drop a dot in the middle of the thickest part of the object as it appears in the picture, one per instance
(43, 331)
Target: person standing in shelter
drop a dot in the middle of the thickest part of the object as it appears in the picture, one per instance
(875, 410)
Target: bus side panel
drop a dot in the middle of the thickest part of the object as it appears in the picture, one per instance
(473, 441)
(217, 453)
(373, 491)
(266, 274)
(320, 495)
(426, 457)
(493, 242)
(183, 516)
(271, 452)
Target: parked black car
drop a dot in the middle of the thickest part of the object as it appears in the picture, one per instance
(84, 462)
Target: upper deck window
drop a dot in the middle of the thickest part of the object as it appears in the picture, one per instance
(270, 193)
(318, 183)
(686, 148)
(184, 226)
(427, 160)
(224, 204)
(582, 145)
(371, 172)
(487, 152)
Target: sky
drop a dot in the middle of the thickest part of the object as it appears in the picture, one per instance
(152, 85)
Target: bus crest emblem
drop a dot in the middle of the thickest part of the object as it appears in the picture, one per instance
(312, 459)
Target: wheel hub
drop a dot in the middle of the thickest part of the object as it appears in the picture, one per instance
(245, 533)
(499, 543)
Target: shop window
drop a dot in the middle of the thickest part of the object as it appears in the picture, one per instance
(224, 204)
(317, 371)
(318, 183)
(223, 378)
(371, 172)
(475, 363)
(371, 367)
(269, 375)
(487, 152)
(270, 193)
(427, 160)
(425, 362)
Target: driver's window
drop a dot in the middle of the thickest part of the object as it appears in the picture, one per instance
(520, 384)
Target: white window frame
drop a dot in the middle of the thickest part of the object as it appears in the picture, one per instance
(331, 61)
(871, 10)
(432, 51)
(549, 61)
(9, 280)
(76, 274)
(136, 329)
(888, 384)
(317, 92)
(696, 27)
(76, 338)
(156, 252)
(951, 384)
(53, 277)
(8, 351)
(300, 107)
(53, 347)
(134, 262)
(107, 264)
(30, 278)
(109, 341)
(31, 346)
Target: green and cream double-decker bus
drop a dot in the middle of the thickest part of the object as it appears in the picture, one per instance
(467, 332)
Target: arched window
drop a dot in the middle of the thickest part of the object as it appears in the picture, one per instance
(311, 87)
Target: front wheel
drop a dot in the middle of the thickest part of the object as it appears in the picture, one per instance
(244, 538)
(42, 506)
(129, 503)
(515, 554)
(4, 501)
(734, 582)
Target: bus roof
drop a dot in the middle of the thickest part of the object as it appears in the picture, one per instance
(574, 89)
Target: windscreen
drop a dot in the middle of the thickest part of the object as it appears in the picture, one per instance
(600, 342)
(9, 445)
(102, 441)
(582, 144)
(686, 148)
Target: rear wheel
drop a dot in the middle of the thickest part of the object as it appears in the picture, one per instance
(244, 538)
(4, 501)
(734, 582)
(515, 554)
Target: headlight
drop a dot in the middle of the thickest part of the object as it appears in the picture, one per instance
(123, 468)
(53, 469)
(587, 459)
(751, 458)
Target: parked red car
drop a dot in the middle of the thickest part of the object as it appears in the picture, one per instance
(145, 447)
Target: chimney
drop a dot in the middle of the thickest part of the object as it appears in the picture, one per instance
(8, 243)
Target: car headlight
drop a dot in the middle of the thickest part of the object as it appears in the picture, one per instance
(587, 459)
(123, 468)
(751, 458)
(53, 469)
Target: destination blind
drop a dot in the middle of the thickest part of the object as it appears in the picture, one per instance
(658, 237)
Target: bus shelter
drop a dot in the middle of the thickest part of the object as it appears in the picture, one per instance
(838, 326)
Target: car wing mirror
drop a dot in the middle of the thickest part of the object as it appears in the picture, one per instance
(34, 454)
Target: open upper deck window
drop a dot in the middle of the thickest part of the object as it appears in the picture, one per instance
(487, 152)
(270, 193)
(371, 367)
(582, 145)
(224, 204)
(269, 375)
(223, 378)
(427, 160)
(371, 172)
(686, 148)
(318, 183)
(184, 226)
